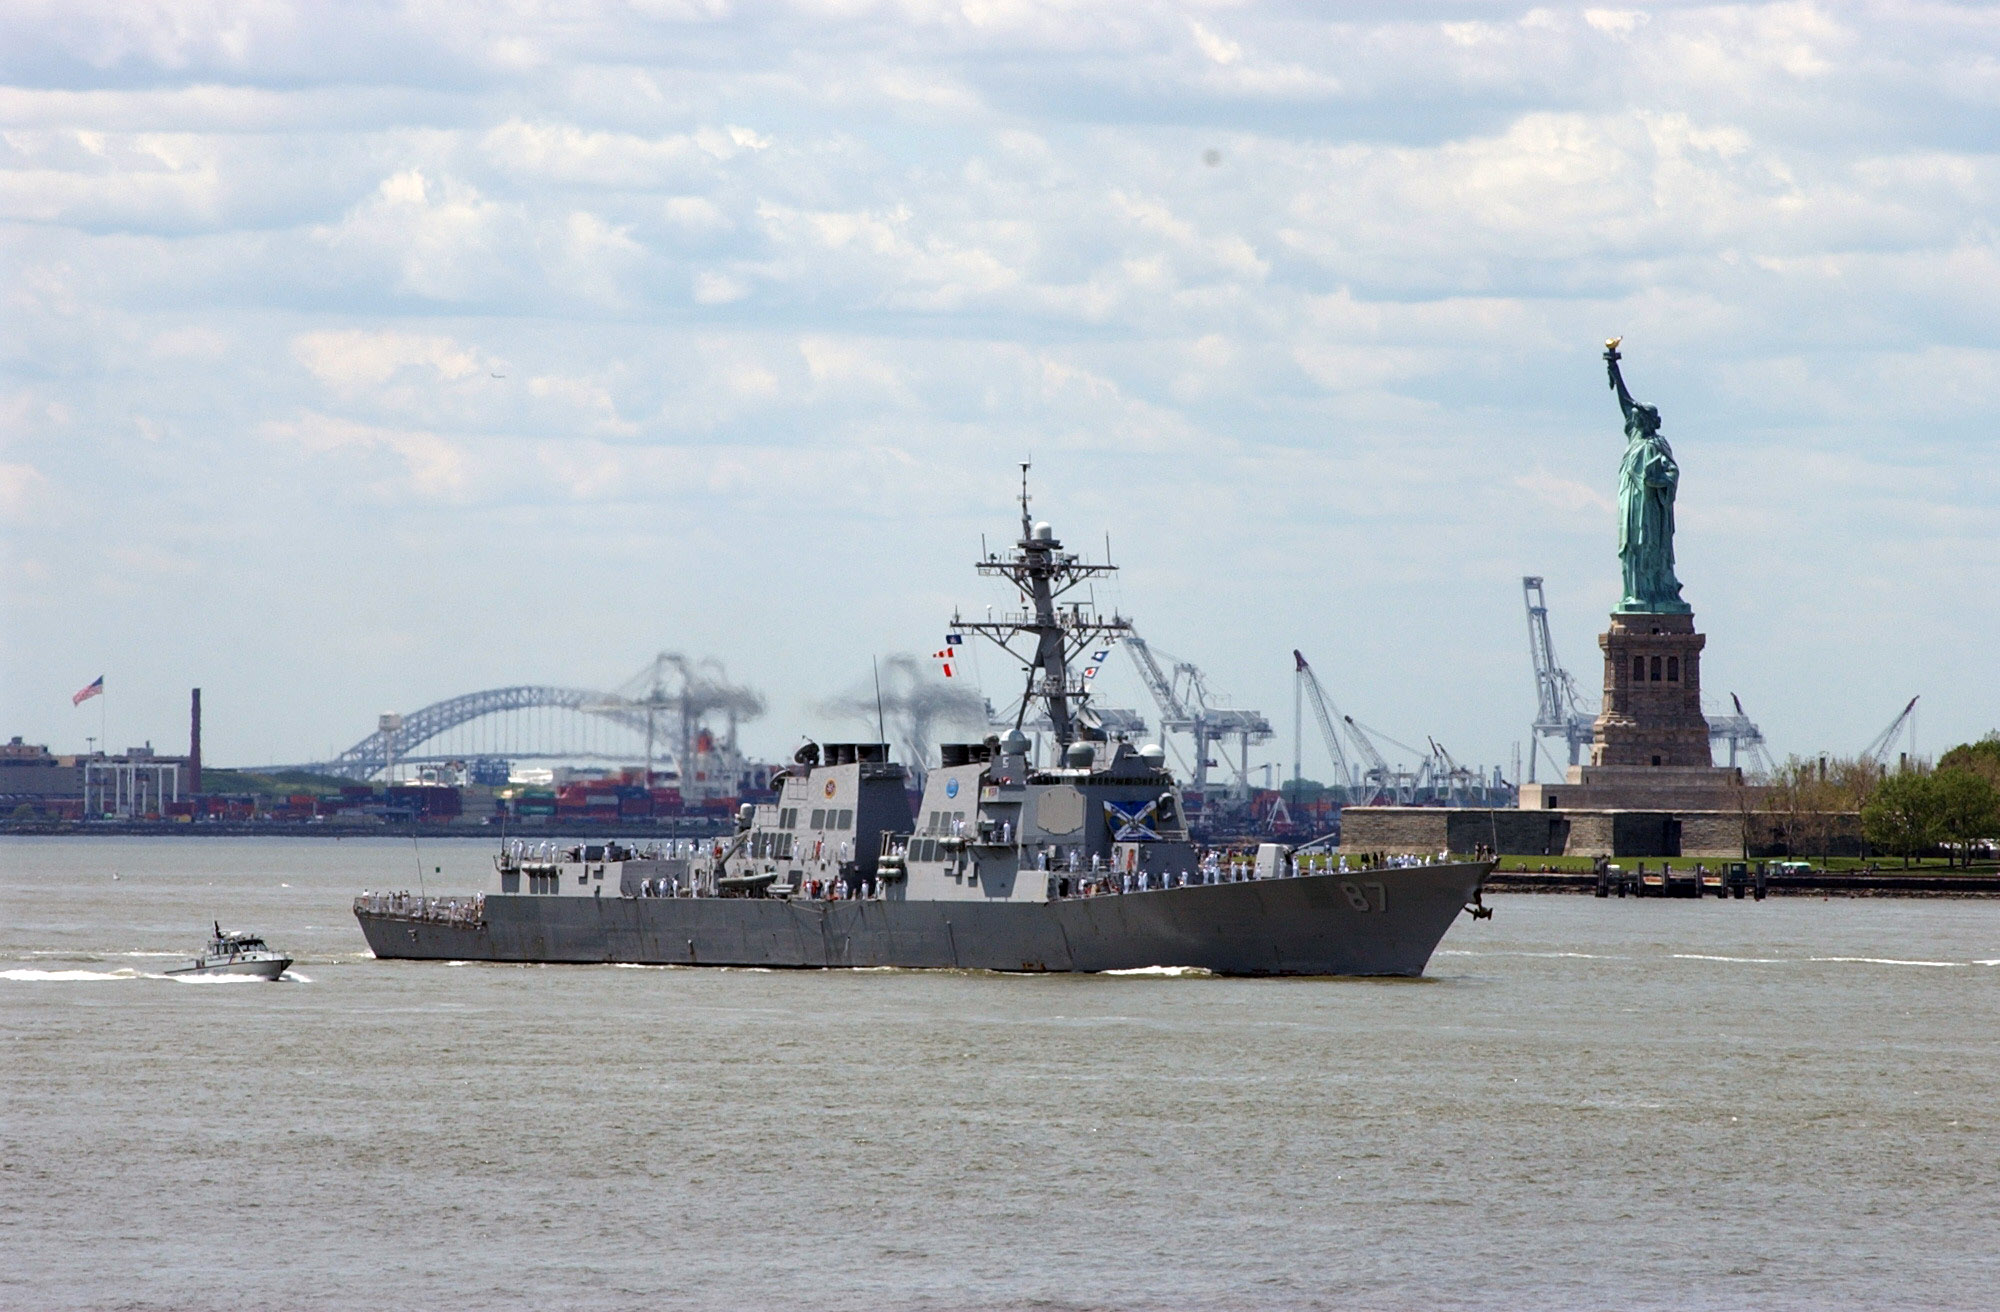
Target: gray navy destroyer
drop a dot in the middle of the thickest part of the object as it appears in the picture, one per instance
(1079, 863)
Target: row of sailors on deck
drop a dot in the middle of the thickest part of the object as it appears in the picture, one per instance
(833, 890)
(1142, 881)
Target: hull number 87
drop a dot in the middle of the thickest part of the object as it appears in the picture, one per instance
(1370, 896)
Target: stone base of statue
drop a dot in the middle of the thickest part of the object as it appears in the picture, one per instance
(1649, 747)
(1652, 695)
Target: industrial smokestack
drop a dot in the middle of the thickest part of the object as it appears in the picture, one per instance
(194, 742)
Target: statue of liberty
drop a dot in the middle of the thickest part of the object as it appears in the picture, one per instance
(1647, 479)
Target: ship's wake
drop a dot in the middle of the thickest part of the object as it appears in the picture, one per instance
(29, 975)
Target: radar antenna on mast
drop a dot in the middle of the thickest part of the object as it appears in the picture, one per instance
(1042, 572)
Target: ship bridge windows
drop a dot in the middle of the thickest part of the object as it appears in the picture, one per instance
(818, 820)
(845, 819)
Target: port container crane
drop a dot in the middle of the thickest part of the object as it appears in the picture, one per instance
(1741, 735)
(1559, 712)
(1187, 706)
(1462, 785)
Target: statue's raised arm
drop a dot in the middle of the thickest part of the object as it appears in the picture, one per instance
(1611, 358)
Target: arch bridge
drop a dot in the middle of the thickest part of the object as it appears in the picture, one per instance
(654, 717)
(525, 722)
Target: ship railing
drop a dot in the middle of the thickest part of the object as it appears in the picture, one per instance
(1066, 882)
(466, 912)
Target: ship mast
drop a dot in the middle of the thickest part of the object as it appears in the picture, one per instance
(1049, 634)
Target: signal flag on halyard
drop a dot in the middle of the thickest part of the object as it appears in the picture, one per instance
(1097, 659)
(953, 639)
(95, 688)
(945, 658)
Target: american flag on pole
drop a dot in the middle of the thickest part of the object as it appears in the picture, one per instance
(95, 688)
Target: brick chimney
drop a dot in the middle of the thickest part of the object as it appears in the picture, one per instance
(194, 742)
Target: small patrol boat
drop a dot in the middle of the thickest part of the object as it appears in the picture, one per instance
(236, 954)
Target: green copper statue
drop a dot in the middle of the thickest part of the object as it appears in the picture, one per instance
(1646, 482)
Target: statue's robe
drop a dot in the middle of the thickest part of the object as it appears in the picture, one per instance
(1647, 480)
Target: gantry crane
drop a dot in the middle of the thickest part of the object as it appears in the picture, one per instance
(1186, 706)
(1462, 786)
(1559, 712)
(1741, 735)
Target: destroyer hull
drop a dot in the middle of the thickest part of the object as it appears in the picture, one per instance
(1381, 922)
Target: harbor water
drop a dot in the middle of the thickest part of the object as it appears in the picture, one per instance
(1587, 1104)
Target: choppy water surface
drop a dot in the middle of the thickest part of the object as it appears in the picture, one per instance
(1588, 1104)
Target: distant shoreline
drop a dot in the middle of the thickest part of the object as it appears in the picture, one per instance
(689, 828)
(1816, 883)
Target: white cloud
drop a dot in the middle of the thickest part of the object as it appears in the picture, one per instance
(434, 466)
(349, 359)
(1566, 494)
(446, 240)
(21, 486)
(711, 288)
(564, 152)
(850, 259)
(1616, 22)
(1218, 48)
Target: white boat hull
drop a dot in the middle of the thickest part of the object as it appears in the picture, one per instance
(264, 968)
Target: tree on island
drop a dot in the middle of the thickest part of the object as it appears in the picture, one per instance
(1807, 798)
(1981, 758)
(1903, 817)
(1968, 808)
(1957, 804)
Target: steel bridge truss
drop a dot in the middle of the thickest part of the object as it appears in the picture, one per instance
(374, 753)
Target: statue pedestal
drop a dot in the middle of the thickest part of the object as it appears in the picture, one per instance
(1652, 695)
(1649, 747)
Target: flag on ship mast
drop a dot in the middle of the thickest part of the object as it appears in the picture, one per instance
(95, 688)
(945, 658)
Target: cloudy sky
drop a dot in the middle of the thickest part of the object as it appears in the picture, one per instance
(357, 356)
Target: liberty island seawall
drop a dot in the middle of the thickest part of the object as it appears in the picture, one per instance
(1776, 1105)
